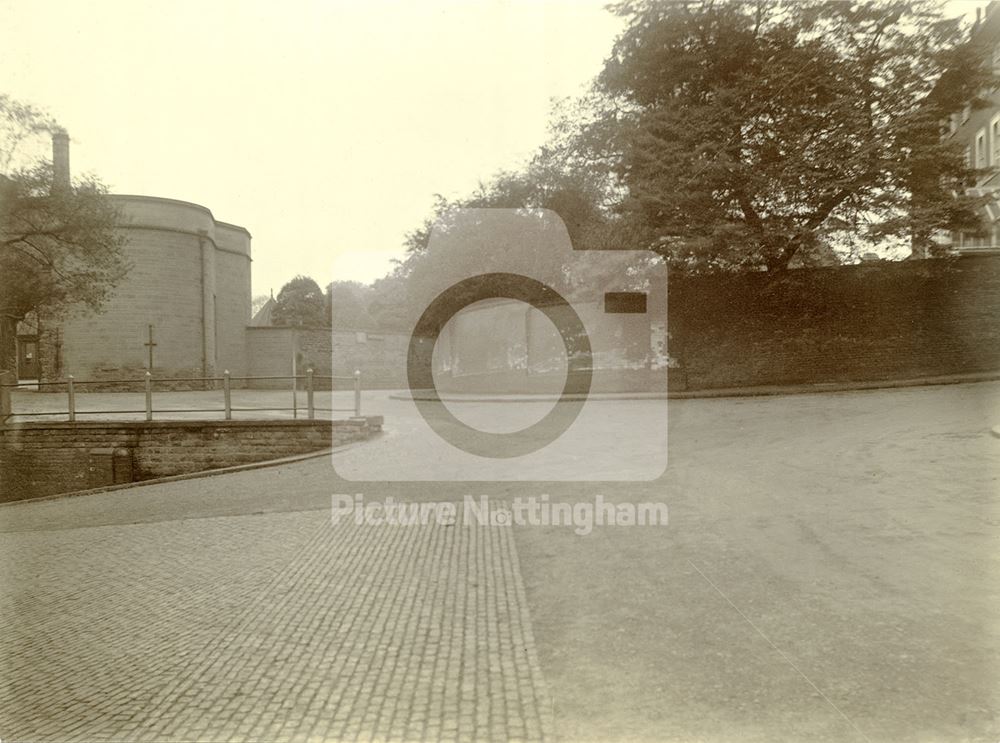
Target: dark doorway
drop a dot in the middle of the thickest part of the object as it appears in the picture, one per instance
(27, 357)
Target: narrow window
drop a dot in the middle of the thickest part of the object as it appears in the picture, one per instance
(995, 140)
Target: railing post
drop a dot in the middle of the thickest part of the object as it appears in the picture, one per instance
(309, 394)
(227, 395)
(149, 396)
(357, 393)
(6, 404)
(72, 398)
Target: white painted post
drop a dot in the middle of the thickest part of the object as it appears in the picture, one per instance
(295, 380)
(357, 393)
(309, 394)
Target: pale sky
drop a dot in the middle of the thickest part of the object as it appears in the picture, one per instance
(323, 127)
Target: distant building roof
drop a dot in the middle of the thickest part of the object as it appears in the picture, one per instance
(262, 318)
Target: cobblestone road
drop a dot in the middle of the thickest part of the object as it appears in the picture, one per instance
(829, 573)
(272, 627)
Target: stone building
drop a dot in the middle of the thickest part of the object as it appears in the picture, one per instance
(184, 305)
(188, 292)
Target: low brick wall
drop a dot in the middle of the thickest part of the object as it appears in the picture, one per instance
(38, 459)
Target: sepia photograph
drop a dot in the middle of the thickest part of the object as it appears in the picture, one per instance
(544, 371)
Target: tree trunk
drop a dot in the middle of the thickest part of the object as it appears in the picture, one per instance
(8, 343)
(781, 256)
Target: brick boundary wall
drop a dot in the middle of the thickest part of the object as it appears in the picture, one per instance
(865, 323)
(862, 323)
(38, 459)
(870, 322)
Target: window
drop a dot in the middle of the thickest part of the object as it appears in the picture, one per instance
(981, 148)
(968, 157)
(995, 140)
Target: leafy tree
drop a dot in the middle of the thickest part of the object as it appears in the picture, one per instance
(59, 250)
(727, 135)
(23, 129)
(744, 134)
(388, 305)
(300, 302)
(546, 183)
(562, 177)
(347, 305)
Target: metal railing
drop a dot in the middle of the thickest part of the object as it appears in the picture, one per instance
(309, 379)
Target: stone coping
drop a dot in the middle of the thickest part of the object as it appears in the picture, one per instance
(373, 420)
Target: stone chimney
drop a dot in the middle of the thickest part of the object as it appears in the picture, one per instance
(60, 160)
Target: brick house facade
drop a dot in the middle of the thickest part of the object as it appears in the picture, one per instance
(978, 129)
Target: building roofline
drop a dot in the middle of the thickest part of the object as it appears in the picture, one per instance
(232, 226)
(180, 202)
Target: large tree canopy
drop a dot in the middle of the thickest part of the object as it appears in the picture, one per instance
(300, 302)
(59, 249)
(745, 133)
(736, 135)
(347, 306)
(739, 135)
(545, 184)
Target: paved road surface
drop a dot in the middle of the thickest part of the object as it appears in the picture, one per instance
(830, 572)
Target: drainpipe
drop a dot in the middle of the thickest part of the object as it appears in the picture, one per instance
(202, 245)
